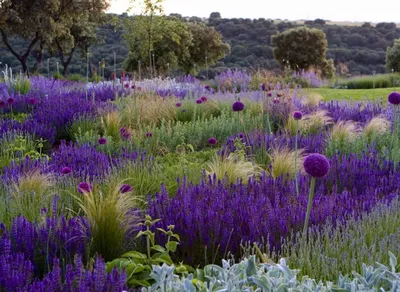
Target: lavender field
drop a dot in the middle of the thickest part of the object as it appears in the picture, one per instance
(180, 185)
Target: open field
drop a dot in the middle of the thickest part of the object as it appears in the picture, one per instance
(353, 94)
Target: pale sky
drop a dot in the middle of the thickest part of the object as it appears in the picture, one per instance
(337, 10)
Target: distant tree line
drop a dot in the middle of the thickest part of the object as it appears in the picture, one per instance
(353, 49)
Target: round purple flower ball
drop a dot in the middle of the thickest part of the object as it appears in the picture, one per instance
(102, 141)
(66, 170)
(297, 115)
(263, 87)
(32, 101)
(203, 99)
(85, 187)
(125, 188)
(212, 141)
(269, 94)
(178, 104)
(238, 106)
(10, 100)
(241, 135)
(149, 134)
(199, 101)
(316, 165)
(2, 104)
(184, 111)
(394, 98)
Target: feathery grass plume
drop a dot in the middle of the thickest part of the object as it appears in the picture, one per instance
(291, 126)
(376, 127)
(232, 167)
(111, 124)
(344, 132)
(30, 194)
(312, 100)
(314, 122)
(110, 216)
(286, 162)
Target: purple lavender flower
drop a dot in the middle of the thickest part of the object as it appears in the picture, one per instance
(85, 187)
(11, 100)
(125, 188)
(316, 165)
(102, 141)
(297, 115)
(203, 99)
(238, 106)
(66, 170)
(394, 98)
(199, 101)
(212, 141)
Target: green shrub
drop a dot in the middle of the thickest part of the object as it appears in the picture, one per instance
(76, 78)
(369, 82)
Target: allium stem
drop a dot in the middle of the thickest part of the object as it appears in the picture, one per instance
(295, 158)
(309, 205)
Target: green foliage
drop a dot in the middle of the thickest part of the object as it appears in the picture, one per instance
(138, 266)
(300, 48)
(370, 82)
(340, 248)
(393, 57)
(249, 275)
(76, 78)
(83, 125)
(110, 216)
(16, 147)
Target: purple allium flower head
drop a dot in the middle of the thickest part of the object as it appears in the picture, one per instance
(277, 100)
(126, 85)
(394, 98)
(2, 104)
(238, 106)
(199, 101)
(212, 141)
(241, 135)
(133, 86)
(207, 87)
(203, 99)
(149, 134)
(102, 141)
(178, 104)
(66, 170)
(183, 110)
(10, 100)
(269, 94)
(125, 133)
(125, 188)
(32, 101)
(263, 87)
(297, 115)
(84, 187)
(316, 165)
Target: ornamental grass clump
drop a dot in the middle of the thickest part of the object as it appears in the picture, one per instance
(312, 100)
(111, 123)
(232, 167)
(313, 123)
(342, 137)
(317, 166)
(376, 127)
(285, 162)
(111, 217)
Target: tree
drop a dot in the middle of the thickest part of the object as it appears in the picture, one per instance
(207, 47)
(29, 20)
(393, 57)
(300, 48)
(150, 23)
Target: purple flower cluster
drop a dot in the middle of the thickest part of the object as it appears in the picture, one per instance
(216, 214)
(85, 161)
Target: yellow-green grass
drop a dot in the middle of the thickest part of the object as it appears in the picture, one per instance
(353, 94)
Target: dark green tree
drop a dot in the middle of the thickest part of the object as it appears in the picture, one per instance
(300, 48)
(393, 57)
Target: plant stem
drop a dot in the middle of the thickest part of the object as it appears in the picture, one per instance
(295, 158)
(148, 243)
(309, 206)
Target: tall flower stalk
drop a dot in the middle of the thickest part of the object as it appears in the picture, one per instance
(316, 165)
(297, 116)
